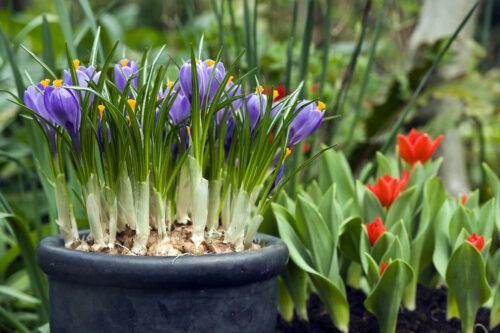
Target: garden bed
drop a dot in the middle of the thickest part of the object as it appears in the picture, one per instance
(430, 316)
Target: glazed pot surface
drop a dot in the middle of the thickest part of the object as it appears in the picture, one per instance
(92, 292)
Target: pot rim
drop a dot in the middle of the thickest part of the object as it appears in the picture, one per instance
(208, 270)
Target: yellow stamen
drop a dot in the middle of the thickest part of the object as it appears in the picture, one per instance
(45, 83)
(321, 105)
(275, 94)
(128, 118)
(229, 81)
(124, 62)
(57, 83)
(132, 103)
(170, 84)
(287, 153)
(210, 62)
(197, 61)
(101, 110)
(76, 62)
(189, 130)
(257, 89)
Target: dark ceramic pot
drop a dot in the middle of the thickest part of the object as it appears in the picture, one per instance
(91, 292)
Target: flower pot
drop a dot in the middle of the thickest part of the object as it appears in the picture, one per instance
(92, 292)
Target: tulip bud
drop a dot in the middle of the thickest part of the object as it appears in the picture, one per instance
(417, 147)
(375, 230)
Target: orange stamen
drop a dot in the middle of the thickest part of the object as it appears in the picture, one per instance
(321, 105)
(76, 63)
(124, 62)
(275, 94)
(101, 110)
(57, 83)
(170, 84)
(132, 103)
(287, 153)
(45, 83)
(257, 89)
(210, 62)
(230, 79)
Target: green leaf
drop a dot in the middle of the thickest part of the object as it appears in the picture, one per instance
(350, 238)
(399, 230)
(319, 239)
(442, 250)
(9, 319)
(370, 208)
(9, 291)
(331, 213)
(13, 64)
(495, 306)
(465, 277)
(334, 169)
(384, 166)
(285, 303)
(48, 48)
(296, 281)
(332, 295)
(486, 219)
(384, 301)
(382, 245)
(402, 207)
(65, 22)
(494, 182)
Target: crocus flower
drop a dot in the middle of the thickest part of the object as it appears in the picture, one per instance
(186, 82)
(307, 120)
(256, 106)
(465, 198)
(34, 100)
(180, 109)
(84, 75)
(388, 188)
(64, 109)
(99, 127)
(219, 72)
(123, 71)
(375, 230)
(417, 147)
(383, 266)
(281, 170)
(477, 241)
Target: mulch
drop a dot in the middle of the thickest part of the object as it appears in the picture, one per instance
(430, 316)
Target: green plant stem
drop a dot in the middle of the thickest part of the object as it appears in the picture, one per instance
(306, 45)
(9, 318)
(485, 33)
(289, 53)
(366, 77)
(347, 78)
(395, 128)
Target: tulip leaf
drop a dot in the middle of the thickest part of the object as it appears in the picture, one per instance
(402, 207)
(465, 277)
(385, 299)
(382, 245)
(315, 191)
(442, 249)
(495, 306)
(494, 182)
(399, 230)
(384, 166)
(332, 295)
(472, 200)
(318, 234)
(335, 169)
(370, 208)
(350, 238)
(285, 303)
(371, 269)
(462, 219)
(296, 282)
(486, 219)
(331, 213)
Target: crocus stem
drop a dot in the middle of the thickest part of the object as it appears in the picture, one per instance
(183, 195)
(93, 204)
(110, 206)
(125, 198)
(252, 230)
(142, 212)
(65, 220)
(214, 188)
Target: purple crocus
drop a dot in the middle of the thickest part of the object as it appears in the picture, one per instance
(256, 106)
(307, 119)
(63, 108)
(101, 109)
(219, 72)
(186, 82)
(34, 100)
(123, 71)
(180, 109)
(282, 169)
(84, 75)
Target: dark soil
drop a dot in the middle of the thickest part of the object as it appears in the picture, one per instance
(429, 317)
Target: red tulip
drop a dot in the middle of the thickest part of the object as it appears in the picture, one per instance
(375, 230)
(417, 147)
(477, 241)
(464, 199)
(315, 87)
(383, 266)
(278, 92)
(387, 188)
(305, 147)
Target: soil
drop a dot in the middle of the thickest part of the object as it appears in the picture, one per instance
(429, 317)
(177, 242)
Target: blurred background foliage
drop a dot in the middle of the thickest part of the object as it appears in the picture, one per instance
(328, 44)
